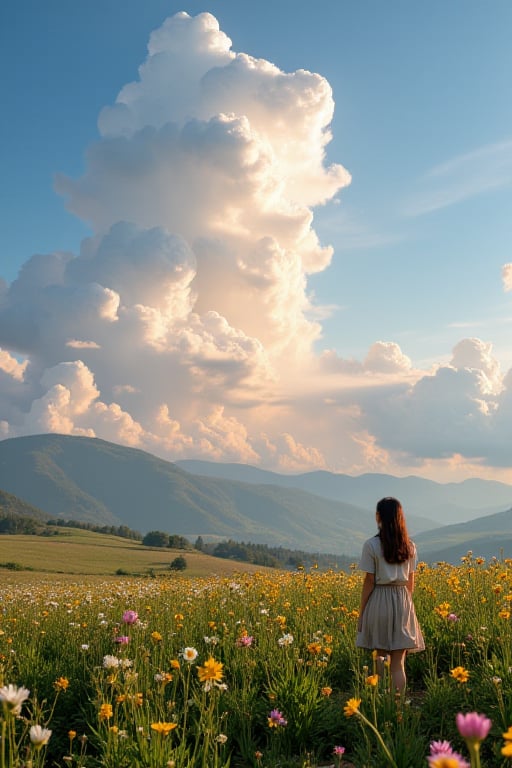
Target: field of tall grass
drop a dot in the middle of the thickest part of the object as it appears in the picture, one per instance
(250, 670)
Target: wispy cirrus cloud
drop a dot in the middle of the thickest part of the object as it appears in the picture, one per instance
(461, 178)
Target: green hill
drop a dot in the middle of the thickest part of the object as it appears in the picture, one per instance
(91, 480)
(12, 505)
(489, 536)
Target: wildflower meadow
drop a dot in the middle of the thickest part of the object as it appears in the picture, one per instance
(253, 670)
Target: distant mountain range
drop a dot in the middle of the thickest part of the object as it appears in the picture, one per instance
(436, 503)
(91, 480)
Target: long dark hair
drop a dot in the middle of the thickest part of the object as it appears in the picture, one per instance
(396, 545)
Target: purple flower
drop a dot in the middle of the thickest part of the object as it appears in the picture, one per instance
(452, 617)
(130, 617)
(473, 727)
(276, 719)
(122, 640)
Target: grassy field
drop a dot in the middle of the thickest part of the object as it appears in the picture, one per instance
(239, 670)
(85, 553)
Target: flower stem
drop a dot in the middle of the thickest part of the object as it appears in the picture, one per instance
(380, 739)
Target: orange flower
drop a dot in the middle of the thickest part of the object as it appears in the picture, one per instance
(314, 648)
(460, 674)
(61, 684)
(372, 680)
(164, 728)
(106, 711)
(351, 707)
(506, 750)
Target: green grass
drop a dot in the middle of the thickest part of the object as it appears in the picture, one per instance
(78, 552)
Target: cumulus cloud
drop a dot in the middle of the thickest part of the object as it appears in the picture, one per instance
(506, 274)
(184, 324)
(383, 357)
(464, 408)
(179, 315)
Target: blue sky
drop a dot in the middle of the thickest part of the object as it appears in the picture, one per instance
(421, 236)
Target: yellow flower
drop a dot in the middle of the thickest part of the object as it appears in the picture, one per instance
(504, 614)
(508, 735)
(506, 751)
(372, 680)
(314, 648)
(211, 670)
(156, 637)
(443, 610)
(164, 728)
(106, 711)
(460, 674)
(61, 684)
(175, 664)
(351, 707)
(71, 735)
(444, 761)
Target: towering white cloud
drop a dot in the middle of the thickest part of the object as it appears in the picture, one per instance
(184, 324)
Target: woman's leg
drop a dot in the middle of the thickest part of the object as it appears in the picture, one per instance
(397, 669)
(380, 662)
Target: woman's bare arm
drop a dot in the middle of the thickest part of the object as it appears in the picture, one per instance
(368, 586)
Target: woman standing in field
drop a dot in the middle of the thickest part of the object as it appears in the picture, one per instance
(387, 618)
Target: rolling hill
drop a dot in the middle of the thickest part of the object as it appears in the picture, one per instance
(12, 505)
(91, 480)
(487, 537)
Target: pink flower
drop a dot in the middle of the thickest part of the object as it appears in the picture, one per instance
(338, 751)
(130, 617)
(245, 641)
(452, 617)
(473, 727)
(441, 747)
(276, 719)
(122, 640)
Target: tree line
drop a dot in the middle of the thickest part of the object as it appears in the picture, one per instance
(245, 552)
(11, 523)
(248, 552)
